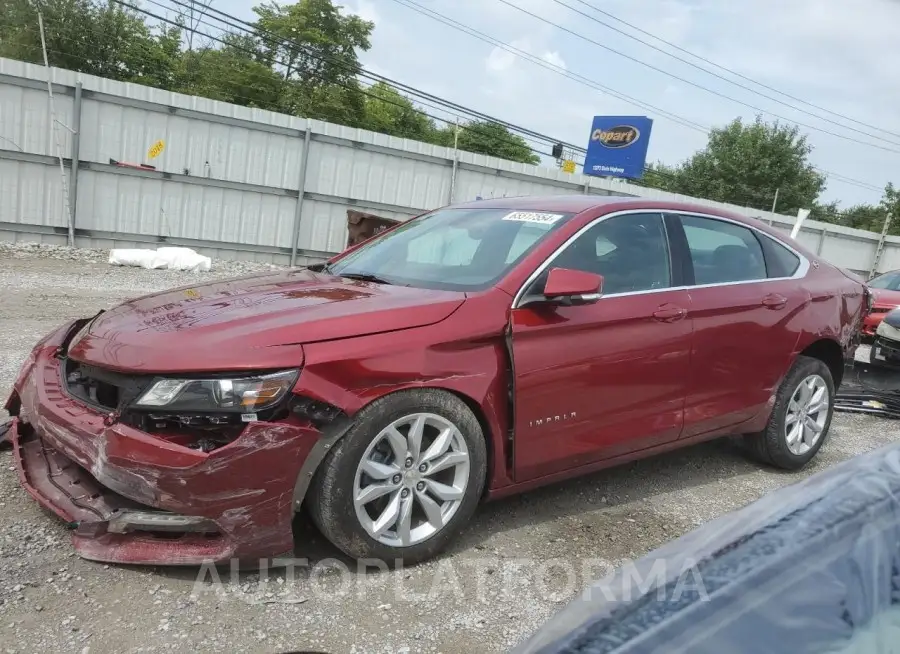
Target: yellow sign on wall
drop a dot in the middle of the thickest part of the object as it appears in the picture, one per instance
(568, 166)
(156, 149)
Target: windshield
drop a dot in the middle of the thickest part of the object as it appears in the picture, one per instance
(888, 281)
(451, 249)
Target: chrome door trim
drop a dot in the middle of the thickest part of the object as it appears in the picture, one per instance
(801, 271)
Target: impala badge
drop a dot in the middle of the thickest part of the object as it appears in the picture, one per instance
(543, 422)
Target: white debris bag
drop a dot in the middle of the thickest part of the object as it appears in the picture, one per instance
(161, 259)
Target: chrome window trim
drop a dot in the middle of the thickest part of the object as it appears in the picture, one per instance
(800, 273)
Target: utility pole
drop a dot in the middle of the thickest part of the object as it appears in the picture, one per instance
(54, 125)
(880, 247)
(775, 201)
(455, 162)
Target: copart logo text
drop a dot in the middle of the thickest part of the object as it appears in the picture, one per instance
(616, 137)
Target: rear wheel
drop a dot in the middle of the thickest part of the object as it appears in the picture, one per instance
(800, 419)
(404, 480)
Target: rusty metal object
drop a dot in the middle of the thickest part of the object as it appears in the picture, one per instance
(362, 226)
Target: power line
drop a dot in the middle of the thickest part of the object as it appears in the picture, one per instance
(717, 75)
(729, 70)
(388, 101)
(363, 90)
(687, 81)
(255, 30)
(430, 13)
(342, 85)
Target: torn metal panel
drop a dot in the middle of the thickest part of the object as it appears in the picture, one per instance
(868, 388)
(363, 226)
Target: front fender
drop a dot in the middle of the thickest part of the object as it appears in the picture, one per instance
(464, 355)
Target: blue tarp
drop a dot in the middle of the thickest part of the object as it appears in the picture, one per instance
(812, 568)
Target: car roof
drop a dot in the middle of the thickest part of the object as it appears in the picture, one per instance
(579, 203)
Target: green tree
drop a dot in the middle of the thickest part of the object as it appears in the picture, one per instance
(302, 60)
(869, 217)
(233, 71)
(389, 112)
(661, 176)
(98, 39)
(745, 164)
(314, 47)
(492, 139)
(313, 41)
(890, 203)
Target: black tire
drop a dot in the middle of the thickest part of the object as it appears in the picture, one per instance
(330, 497)
(5, 428)
(770, 445)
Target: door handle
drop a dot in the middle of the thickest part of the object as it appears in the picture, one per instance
(774, 301)
(669, 313)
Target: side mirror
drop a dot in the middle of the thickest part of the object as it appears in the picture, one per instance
(571, 287)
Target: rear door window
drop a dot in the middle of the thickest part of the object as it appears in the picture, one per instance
(723, 252)
(780, 261)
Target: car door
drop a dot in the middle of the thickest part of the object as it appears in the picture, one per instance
(598, 380)
(744, 301)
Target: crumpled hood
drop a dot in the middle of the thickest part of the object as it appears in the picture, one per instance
(258, 322)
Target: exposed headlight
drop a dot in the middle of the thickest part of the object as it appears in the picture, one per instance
(80, 333)
(886, 331)
(237, 394)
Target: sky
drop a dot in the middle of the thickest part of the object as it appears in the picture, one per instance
(841, 57)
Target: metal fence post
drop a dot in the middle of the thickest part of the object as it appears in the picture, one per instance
(76, 151)
(821, 241)
(301, 191)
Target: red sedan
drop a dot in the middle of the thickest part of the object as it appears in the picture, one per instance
(473, 352)
(885, 291)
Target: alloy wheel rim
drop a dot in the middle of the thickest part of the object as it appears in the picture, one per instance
(807, 414)
(411, 479)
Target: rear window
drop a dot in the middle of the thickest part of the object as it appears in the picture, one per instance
(780, 261)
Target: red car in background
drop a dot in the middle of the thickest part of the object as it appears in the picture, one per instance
(473, 352)
(885, 290)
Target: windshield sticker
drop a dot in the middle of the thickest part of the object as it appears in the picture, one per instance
(533, 217)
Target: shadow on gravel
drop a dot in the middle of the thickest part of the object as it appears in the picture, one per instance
(610, 532)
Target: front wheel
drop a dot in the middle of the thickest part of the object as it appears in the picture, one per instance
(404, 480)
(800, 419)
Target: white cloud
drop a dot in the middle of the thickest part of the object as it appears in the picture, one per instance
(834, 56)
(554, 59)
(364, 9)
(500, 60)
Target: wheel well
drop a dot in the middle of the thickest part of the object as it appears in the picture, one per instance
(829, 353)
(478, 412)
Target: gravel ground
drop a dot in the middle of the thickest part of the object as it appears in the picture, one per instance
(514, 567)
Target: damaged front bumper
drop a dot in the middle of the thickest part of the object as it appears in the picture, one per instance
(134, 497)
